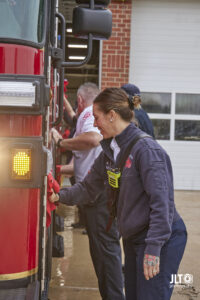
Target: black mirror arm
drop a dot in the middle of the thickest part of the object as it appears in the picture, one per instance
(78, 64)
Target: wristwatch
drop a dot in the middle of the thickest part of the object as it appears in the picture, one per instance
(58, 143)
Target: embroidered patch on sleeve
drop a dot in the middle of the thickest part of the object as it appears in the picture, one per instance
(87, 115)
(128, 163)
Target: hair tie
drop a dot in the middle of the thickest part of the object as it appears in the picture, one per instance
(130, 102)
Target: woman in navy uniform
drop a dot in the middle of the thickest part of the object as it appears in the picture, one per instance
(154, 235)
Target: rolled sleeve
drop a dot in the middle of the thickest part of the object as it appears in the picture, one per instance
(88, 125)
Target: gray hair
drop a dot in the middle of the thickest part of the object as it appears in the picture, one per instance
(88, 91)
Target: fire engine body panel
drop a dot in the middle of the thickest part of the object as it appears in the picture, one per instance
(20, 206)
(19, 59)
(21, 138)
(19, 215)
(31, 89)
(17, 125)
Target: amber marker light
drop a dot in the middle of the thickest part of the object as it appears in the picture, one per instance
(21, 164)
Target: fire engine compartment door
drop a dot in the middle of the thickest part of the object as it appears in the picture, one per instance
(26, 154)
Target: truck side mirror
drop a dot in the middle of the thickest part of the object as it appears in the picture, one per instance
(96, 21)
(97, 3)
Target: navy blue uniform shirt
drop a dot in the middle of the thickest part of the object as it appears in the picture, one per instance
(145, 123)
(146, 198)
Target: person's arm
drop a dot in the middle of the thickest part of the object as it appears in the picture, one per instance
(69, 108)
(88, 190)
(83, 141)
(68, 169)
(157, 179)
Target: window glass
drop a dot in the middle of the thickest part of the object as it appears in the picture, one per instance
(156, 102)
(161, 129)
(188, 104)
(22, 19)
(187, 130)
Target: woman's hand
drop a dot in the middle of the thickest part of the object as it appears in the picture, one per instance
(54, 197)
(151, 266)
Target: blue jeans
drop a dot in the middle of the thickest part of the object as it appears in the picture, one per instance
(158, 287)
(105, 250)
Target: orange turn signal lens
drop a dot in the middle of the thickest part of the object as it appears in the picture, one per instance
(21, 164)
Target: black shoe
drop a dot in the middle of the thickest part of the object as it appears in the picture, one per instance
(77, 225)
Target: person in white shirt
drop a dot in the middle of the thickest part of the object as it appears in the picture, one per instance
(104, 246)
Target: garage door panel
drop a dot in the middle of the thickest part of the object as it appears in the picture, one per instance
(165, 43)
(185, 158)
(165, 57)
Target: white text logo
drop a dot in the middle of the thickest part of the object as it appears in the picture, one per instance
(181, 279)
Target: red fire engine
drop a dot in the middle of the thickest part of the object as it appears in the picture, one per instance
(31, 73)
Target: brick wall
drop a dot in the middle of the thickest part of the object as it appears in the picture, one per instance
(115, 52)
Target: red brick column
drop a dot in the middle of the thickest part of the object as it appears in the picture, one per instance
(115, 52)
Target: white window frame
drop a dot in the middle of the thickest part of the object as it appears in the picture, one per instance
(172, 116)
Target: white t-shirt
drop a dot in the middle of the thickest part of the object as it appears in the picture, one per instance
(116, 149)
(84, 159)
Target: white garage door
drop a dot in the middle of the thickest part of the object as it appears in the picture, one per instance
(165, 64)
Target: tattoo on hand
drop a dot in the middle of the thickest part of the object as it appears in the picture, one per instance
(150, 260)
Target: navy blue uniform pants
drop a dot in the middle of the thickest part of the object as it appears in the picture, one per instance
(158, 287)
(105, 250)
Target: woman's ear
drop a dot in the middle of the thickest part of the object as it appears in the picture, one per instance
(112, 115)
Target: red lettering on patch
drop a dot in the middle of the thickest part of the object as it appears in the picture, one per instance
(87, 115)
